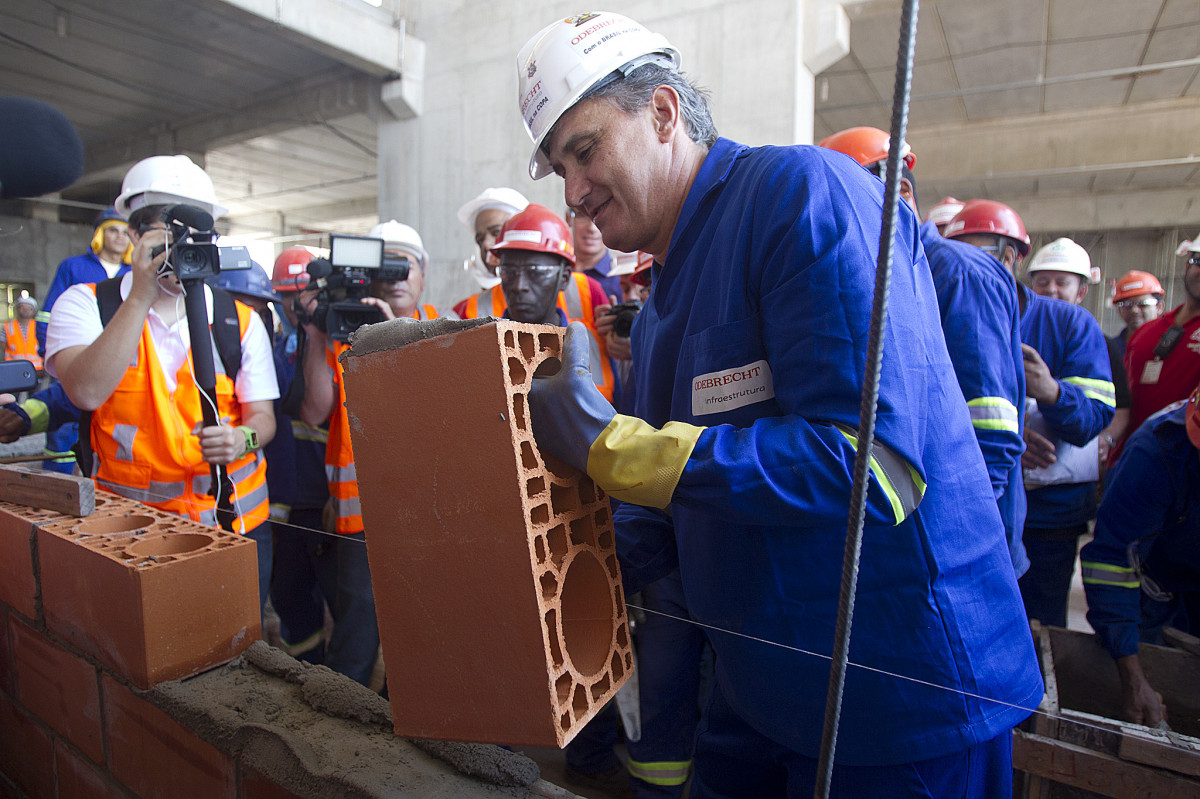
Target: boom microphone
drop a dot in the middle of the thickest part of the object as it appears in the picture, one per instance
(190, 215)
(40, 151)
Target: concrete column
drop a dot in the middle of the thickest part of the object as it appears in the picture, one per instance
(399, 142)
(823, 39)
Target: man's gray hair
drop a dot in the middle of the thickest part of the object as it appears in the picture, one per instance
(632, 92)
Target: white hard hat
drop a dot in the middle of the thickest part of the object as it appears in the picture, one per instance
(568, 57)
(944, 210)
(27, 301)
(504, 199)
(401, 236)
(1188, 246)
(166, 180)
(1063, 255)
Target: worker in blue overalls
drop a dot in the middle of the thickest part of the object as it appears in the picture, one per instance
(981, 320)
(749, 360)
(1141, 570)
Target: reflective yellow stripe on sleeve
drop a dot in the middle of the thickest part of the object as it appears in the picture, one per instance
(38, 413)
(663, 772)
(1108, 574)
(993, 413)
(900, 482)
(1102, 390)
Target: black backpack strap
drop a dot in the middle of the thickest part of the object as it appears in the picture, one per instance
(226, 331)
(108, 299)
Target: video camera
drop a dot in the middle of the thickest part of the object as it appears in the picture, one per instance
(194, 254)
(345, 278)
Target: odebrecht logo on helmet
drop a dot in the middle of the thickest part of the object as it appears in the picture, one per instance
(570, 57)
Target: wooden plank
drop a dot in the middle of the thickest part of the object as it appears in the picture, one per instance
(1103, 774)
(64, 493)
(1161, 749)
(1181, 640)
(1045, 722)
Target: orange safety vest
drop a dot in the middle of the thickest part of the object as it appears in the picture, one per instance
(145, 450)
(21, 345)
(576, 302)
(339, 454)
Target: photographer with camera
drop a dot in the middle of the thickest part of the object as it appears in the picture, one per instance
(356, 291)
(122, 351)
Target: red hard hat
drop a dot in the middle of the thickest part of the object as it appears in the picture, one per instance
(641, 274)
(1135, 284)
(867, 146)
(988, 216)
(537, 229)
(290, 273)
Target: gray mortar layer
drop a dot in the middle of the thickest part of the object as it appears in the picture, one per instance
(396, 333)
(319, 734)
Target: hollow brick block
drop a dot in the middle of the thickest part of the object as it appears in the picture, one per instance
(18, 589)
(496, 581)
(151, 595)
(58, 687)
(78, 778)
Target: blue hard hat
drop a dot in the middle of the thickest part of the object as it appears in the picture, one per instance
(252, 282)
(109, 214)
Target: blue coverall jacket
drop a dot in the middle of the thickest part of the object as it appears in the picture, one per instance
(981, 320)
(756, 329)
(1070, 342)
(83, 268)
(1152, 505)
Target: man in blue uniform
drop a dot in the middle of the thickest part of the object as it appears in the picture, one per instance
(977, 298)
(1142, 569)
(749, 358)
(1071, 399)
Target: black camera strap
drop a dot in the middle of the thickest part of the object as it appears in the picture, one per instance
(226, 336)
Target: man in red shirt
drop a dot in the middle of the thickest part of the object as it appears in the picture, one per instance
(1162, 357)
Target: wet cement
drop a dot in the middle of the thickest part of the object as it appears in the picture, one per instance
(318, 733)
(396, 333)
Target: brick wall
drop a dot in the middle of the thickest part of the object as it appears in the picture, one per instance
(84, 652)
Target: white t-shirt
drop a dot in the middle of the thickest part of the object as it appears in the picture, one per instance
(110, 267)
(76, 322)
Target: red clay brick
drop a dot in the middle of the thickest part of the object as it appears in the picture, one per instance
(17, 586)
(161, 600)
(257, 786)
(57, 687)
(78, 778)
(499, 561)
(154, 756)
(5, 655)
(26, 752)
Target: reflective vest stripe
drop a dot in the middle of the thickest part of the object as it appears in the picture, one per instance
(993, 413)
(43, 317)
(664, 772)
(21, 344)
(900, 482)
(1101, 390)
(302, 431)
(1108, 574)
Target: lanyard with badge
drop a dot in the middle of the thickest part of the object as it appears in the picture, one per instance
(1153, 369)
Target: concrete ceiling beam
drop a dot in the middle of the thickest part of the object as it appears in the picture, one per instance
(307, 103)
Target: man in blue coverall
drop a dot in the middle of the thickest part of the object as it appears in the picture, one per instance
(1069, 381)
(1142, 568)
(749, 359)
(981, 320)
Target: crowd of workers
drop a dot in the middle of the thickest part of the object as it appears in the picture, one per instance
(733, 403)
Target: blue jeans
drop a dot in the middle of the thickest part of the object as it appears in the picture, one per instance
(735, 761)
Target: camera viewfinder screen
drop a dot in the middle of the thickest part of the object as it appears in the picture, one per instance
(356, 252)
